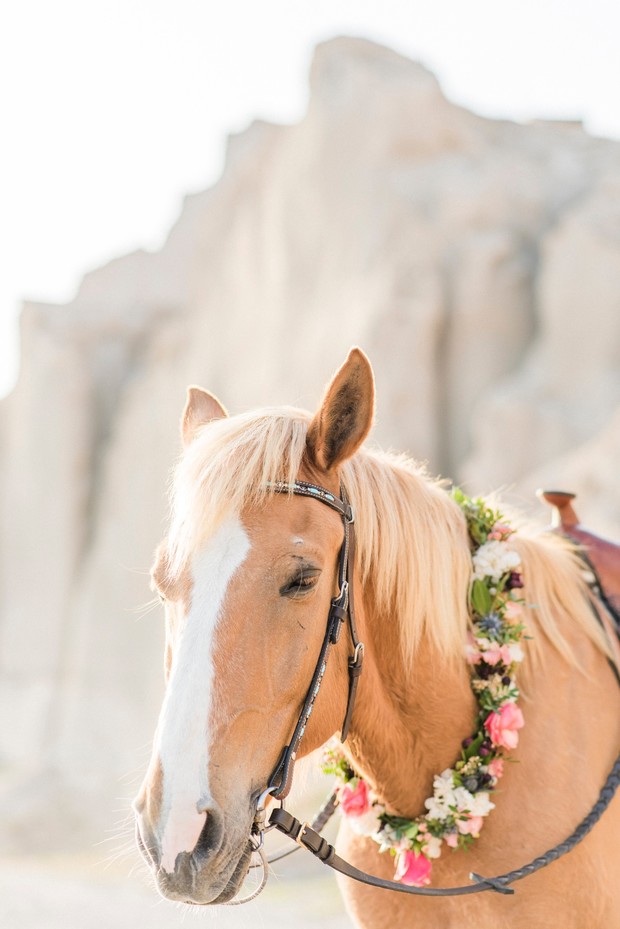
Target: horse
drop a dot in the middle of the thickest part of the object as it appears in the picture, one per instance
(247, 574)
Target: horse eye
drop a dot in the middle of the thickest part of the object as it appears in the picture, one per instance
(299, 585)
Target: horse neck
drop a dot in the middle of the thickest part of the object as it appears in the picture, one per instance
(410, 719)
(409, 722)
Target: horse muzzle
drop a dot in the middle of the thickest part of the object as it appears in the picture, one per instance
(210, 872)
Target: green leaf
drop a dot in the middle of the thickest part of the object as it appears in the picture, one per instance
(472, 749)
(481, 598)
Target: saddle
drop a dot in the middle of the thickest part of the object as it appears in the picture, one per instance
(601, 555)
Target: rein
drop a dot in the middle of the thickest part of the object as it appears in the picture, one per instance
(308, 835)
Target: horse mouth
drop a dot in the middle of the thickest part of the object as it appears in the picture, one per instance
(237, 877)
(200, 882)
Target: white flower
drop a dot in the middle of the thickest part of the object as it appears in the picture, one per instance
(482, 805)
(432, 847)
(368, 823)
(444, 782)
(477, 804)
(494, 559)
(437, 808)
(516, 652)
(389, 837)
(463, 799)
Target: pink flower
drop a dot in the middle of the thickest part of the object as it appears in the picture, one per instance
(502, 726)
(472, 654)
(452, 840)
(354, 801)
(496, 767)
(497, 653)
(513, 610)
(470, 826)
(413, 869)
(492, 655)
(500, 532)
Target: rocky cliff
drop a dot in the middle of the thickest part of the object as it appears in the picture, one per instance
(476, 261)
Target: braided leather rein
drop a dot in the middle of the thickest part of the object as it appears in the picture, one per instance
(309, 839)
(308, 835)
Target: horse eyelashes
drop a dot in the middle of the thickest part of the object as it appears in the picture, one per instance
(300, 583)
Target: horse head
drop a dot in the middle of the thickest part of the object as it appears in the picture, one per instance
(247, 577)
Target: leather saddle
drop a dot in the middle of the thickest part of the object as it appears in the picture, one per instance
(601, 555)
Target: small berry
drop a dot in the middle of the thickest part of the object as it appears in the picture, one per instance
(515, 581)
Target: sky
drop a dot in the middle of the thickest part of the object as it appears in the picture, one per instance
(112, 111)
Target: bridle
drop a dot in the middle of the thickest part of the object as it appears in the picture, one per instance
(341, 611)
(308, 836)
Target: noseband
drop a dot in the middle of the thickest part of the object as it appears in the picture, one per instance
(341, 611)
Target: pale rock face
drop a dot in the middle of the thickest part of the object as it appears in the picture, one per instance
(591, 472)
(478, 264)
(568, 386)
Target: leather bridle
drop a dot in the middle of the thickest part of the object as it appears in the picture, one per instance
(307, 836)
(341, 611)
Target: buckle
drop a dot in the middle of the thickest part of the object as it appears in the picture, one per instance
(358, 656)
(301, 832)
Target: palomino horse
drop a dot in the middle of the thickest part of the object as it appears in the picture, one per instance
(248, 575)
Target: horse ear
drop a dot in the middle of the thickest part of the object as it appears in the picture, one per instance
(201, 408)
(346, 414)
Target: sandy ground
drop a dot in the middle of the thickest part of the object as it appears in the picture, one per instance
(66, 893)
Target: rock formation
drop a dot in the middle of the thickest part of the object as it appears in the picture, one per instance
(476, 261)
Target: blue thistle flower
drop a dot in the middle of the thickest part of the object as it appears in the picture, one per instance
(491, 624)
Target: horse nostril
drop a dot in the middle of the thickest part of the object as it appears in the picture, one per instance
(212, 832)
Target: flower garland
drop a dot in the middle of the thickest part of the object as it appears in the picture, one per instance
(461, 795)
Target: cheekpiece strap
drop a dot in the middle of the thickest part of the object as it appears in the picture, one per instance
(341, 611)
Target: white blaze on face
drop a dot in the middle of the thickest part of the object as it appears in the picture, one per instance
(183, 731)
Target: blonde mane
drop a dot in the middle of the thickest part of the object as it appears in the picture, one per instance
(412, 545)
